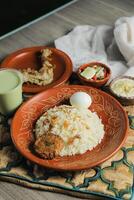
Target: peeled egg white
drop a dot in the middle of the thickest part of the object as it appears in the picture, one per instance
(80, 99)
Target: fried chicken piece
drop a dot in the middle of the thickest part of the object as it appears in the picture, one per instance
(47, 68)
(45, 54)
(45, 74)
(48, 145)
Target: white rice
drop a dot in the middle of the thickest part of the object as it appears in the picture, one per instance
(67, 122)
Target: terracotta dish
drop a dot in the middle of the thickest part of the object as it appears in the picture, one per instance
(108, 109)
(90, 82)
(29, 57)
(122, 99)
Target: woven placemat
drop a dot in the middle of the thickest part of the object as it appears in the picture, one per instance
(113, 178)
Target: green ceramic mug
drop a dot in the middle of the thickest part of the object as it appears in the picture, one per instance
(11, 82)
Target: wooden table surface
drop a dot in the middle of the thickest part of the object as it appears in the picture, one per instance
(44, 32)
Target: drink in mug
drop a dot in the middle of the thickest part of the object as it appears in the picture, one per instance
(11, 82)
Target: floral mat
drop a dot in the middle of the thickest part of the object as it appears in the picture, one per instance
(113, 178)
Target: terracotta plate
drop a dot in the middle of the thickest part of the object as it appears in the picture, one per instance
(29, 57)
(109, 110)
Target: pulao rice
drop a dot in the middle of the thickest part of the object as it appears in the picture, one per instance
(84, 126)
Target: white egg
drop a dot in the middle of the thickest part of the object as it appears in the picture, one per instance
(80, 99)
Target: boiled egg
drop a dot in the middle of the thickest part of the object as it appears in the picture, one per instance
(81, 100)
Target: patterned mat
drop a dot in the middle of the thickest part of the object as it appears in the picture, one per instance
(113, 178)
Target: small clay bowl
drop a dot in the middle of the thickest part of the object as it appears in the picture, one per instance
(90, 82)
(126, 101)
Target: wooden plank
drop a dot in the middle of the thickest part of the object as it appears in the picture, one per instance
(124, 5)
(42, 33)
(10, 191)
(94, 12)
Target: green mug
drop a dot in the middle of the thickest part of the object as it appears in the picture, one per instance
(11, 81)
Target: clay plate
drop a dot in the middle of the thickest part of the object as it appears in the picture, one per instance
(29, 57)
(109, 110)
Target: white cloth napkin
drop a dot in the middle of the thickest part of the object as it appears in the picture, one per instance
(113, 46)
